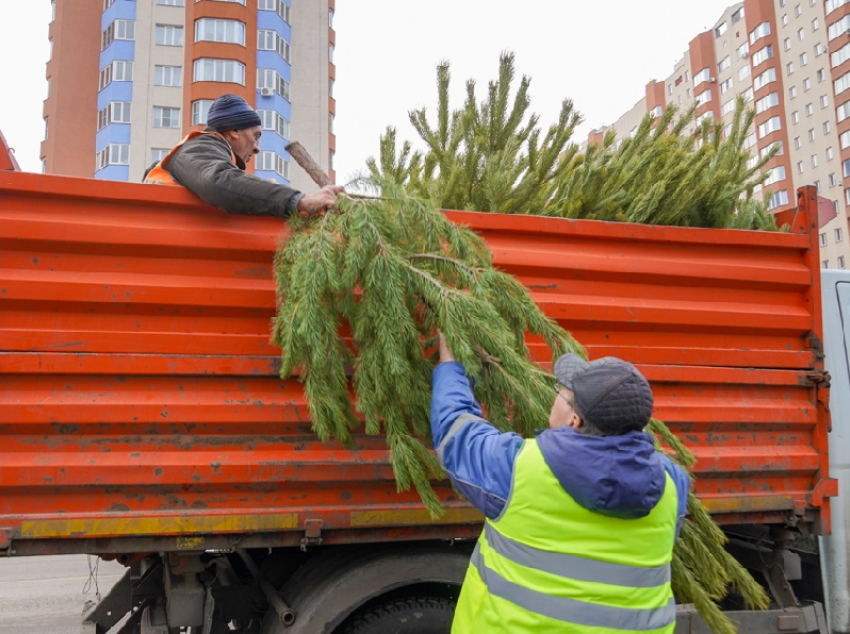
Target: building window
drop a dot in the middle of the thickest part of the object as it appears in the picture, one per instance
(838, 235)
(168, 76)
(736, 17)
(200, 111)
(743, 72)
(168, 35)
(762, 55)
(789, 68)
(832, 5)
(792, 92)
(800, 167)
(117, 30)
(767, 102)
(331, 88)
(809, 110)
(268, 78)
(787, 43)
(823, 239)
(272, 41)
(838, 28)
(114, 154)
(273, 162)
(724, 63)
(768, 148)
(840, 261)
(214, 30)
(801, 34)
(749, 140)
(158, 153)
(703, 98)
(655, 112)
(721, 29)
(272, 120)
(279, 6)
(221, 70)
(775, 175)
(45, 128)
(784, 19)
(798, 10)
(824, 101)
(118, 70)
(114, 112)
(840, 56)
(795, 117)
(727, 107)
(826, 127)
(804, 59)
(166, 117)
(771, 125)
(819, 49)
(747, 95)
(832, 180)
(759, 32)
(725, 85)
(742, 51)
(824, 264)
(815, 24)
(762, 80)
(812, 134)
(820, 75)
(330, 53)
(797, 143)
(170, 3)
(844, 139)
(814, 159)
(842, 83)
(829, 153)
(779, 198)
(703, 75)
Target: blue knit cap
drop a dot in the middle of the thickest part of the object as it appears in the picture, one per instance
(230, 112)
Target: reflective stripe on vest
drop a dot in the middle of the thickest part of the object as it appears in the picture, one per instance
(160, 176)
(571, 610)
(575, 567)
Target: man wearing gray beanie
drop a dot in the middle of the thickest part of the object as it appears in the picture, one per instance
(580, 521)
(211, 164)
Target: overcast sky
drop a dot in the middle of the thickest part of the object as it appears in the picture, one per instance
(598, 53)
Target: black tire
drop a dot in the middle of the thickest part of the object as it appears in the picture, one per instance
(413, 615)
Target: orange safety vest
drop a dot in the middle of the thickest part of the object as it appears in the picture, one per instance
(160, 176)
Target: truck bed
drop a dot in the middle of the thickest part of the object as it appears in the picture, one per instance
(141, 408)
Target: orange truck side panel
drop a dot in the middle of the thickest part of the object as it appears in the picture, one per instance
(139, 396)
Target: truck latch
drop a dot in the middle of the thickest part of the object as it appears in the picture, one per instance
(312, 533)
(6, 538)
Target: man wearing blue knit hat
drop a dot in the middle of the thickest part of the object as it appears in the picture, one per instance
(211, 164)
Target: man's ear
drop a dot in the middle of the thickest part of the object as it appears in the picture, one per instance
(574, 421)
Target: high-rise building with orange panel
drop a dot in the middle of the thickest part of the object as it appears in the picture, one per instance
(790, 61)
(128, 79)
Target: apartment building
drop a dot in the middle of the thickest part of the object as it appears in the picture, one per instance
(788, 59)
(128, 79)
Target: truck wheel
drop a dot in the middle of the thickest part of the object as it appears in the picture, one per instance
(413, 615)
(331, 588)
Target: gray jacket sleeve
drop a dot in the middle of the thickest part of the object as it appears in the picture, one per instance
(204, 166)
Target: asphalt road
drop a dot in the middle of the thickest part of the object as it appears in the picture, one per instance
(46, 595)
